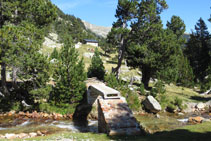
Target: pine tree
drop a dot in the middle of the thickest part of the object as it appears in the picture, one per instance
(177, 26)
(125, 12)
(96, 68)
(197, 50)
(183, 71)
(21, 47)
(69, 76)
(17, 15)
(152, 49)
(185, 74)
(106, 46)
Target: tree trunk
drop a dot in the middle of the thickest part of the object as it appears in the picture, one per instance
(14, 77)
(145, 77)
(4, 79)
(121, 52)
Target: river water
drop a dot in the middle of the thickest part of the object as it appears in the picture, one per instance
(166, 121)
(21, 125)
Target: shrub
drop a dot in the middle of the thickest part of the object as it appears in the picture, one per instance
(178, 102)
(142, 90)
(206, 85)
(50, 108)
(159, 88)
(163, 99)
(111, 80)
(133, 101)
(96, 68)
(54, 54)
(171, 107)
(131, 97)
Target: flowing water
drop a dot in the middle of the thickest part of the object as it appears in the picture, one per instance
(165, 121)
(21, 125)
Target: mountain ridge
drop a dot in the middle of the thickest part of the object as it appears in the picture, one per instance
(99, 30)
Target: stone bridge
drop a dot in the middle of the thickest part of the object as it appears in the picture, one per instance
(114, 114)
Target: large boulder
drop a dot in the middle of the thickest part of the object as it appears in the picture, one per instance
(190, 107)
(10, 136)
(208, 104)
(200, 106)
(152, 104)
(195, 119)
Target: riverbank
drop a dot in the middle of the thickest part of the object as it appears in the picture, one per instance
(198, 132)
(164, 125)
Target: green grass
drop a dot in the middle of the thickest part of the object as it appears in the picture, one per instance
(66, 109)
(153, 124)
(87, 49)
(183, 93)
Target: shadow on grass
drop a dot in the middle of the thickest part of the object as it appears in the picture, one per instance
(111, 62)
(105, 55)
(199, 98)
(175, 135)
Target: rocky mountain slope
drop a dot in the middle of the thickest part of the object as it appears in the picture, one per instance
(99, 30)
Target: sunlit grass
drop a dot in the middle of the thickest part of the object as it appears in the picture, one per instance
(181, 92)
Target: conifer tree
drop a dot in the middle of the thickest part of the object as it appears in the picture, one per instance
(152, 49)
(183, 71)
(96, 68)
(125, 12)
(69, 76)
(177, 26)
(21, 47)
(38, 13)
(197, 50)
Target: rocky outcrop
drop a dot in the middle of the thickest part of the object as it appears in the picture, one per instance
(99, 30)
(152, 104)
(52, 41)
(196, 107)
(200, 106)
(38, 115)
(22, 135)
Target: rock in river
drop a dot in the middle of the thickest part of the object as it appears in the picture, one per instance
(200, 106)
(152, 104)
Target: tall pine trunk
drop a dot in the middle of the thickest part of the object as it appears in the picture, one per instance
(121, 52)
(145, 77)
(4, 79)
(14, 77)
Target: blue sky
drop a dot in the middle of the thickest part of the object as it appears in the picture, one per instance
(101, 12)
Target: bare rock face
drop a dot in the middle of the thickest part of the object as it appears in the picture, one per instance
(32, 134)
(208, 104)
(200, 106)
(10, 136)
(152, 104)
(99, 30)
(191, 107)
(22, 135)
